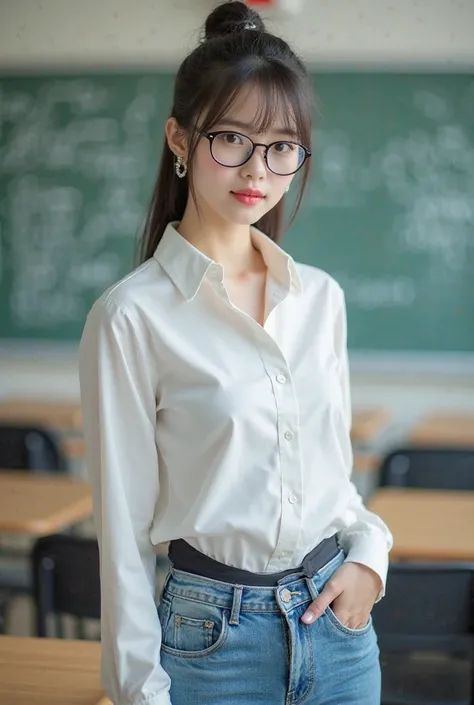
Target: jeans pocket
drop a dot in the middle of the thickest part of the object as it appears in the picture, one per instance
(326, 574)
(191, 629)
(348, 631)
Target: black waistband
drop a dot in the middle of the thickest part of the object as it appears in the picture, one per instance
(185, 557)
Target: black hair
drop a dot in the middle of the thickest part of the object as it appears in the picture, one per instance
(236, 52)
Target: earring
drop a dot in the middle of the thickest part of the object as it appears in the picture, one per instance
(180, 168)
(287, 188)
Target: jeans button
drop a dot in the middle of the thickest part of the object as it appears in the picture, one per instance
(285, 595)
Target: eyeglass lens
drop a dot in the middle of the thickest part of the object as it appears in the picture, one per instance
(232, 149)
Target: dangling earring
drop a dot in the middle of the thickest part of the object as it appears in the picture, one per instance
(287, 188)
(180, 168)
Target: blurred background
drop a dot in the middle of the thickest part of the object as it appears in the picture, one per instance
(85, 89)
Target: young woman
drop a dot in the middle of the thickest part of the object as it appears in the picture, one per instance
(215, 390)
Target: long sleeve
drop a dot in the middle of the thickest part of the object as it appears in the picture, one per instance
(118, 401)
(367, 539)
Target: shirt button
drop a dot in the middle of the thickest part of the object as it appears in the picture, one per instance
(289, 435)
(281, 379)
(292, 499)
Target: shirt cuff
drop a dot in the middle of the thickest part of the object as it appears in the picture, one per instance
(158, 699)
(371, 550)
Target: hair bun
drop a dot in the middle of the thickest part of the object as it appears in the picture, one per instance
(231, 17)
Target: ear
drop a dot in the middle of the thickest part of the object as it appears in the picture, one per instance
(176, 138)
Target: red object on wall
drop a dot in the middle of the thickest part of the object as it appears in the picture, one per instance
(286, 6)
(260, 3)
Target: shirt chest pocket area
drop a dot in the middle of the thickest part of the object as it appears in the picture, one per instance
(191, 628)
(319, 383)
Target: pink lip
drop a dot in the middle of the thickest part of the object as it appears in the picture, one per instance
(248, 197)
(249, 192)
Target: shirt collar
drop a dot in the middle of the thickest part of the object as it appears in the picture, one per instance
(187, 266)
(280, 264)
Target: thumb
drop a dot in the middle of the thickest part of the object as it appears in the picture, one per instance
(319, 606)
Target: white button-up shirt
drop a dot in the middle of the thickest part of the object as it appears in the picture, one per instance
(201, 424)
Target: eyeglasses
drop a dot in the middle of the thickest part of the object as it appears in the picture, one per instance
(233, 149)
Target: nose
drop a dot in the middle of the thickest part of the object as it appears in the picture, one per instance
(256, 167)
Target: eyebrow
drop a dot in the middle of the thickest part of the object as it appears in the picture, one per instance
(245, 126)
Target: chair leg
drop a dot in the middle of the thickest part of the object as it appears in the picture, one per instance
(4, 600)
(80, 631)
(472, 682)
(58, 623)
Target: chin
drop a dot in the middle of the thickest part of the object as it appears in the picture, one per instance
(246, 215)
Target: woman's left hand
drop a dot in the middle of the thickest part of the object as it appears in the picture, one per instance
(351, 592)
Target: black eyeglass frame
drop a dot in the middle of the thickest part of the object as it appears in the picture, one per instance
(212, 135)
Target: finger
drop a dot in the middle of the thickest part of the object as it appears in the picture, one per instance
(319, 606)
(351, 620)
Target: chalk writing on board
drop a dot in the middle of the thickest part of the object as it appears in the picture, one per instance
(389, 212)
(434, 183)
(384, 292)
(429, 172)
(73, 193)
(335, 170)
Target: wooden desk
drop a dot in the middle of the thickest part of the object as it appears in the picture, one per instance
(451, 430)
(65, 418)
(61, 416)
(38, 505)
(49, 672)
(433, 525)
(368, 423)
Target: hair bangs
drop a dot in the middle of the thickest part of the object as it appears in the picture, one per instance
(282, 103)
(280, 100)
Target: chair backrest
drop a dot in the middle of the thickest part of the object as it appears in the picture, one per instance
(436, 468)
(66, 578)
(30, 448)
(427, 606)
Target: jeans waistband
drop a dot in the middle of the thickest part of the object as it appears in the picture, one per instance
(292, 590)
(186, 558)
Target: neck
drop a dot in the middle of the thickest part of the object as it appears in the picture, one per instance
(229, 244)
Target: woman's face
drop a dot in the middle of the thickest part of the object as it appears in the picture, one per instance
(216, 185)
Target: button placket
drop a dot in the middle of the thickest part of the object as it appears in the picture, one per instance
(290, 464)
(291, 478)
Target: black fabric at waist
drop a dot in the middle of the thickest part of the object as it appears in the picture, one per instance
(185, 557)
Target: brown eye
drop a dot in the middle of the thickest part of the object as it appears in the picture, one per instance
(284, 147)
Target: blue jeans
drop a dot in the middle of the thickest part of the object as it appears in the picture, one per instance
(228, 645)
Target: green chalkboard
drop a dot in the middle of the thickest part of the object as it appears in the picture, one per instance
(389, 211)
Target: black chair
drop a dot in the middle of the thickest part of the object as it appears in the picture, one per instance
(29, 448)
(429, 468)
(15, 579)
(425, 629)
(66, 580)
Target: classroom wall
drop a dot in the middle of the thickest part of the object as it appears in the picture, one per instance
(120, 31)
(62, 34)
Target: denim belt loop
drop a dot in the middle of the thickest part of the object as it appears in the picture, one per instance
(236, 602)
(168, 577)
(312, 589)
